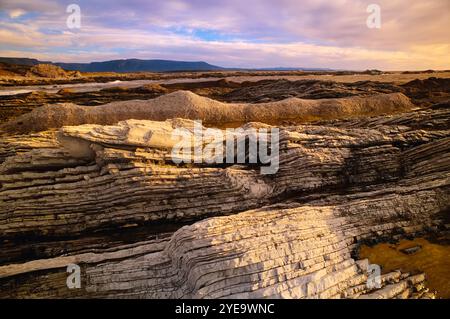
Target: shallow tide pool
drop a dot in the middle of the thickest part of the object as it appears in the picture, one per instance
(432, 258)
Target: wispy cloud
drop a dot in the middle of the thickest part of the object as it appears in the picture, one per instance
(15, 13)
(320, 33)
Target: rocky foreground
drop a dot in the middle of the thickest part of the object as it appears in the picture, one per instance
(238, 89)
(97, 187)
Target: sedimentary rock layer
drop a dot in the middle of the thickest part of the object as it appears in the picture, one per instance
(291, 234)
(423, 92)
(98, 176)
(287, 250)
(428, 90)
(187, 105)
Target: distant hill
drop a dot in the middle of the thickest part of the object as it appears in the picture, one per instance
(137, 65)
(127, 65)
(22, 61)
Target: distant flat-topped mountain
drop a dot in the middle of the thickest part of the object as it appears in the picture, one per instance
(127, 65)
(22, 61)
(137, 65)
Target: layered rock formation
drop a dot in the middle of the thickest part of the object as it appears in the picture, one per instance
(289, 251)
(51, 71)
(269, 90)
(292, 234)
(184, 104)
(423, 92)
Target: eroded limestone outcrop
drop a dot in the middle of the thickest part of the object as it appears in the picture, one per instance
(187, 105)
(422, 92)
(126, 172)
(287, 250)
(292, 234)
(50, 71)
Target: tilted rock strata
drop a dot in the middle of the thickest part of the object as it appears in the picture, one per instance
(187, 105)
(350, 183)
(286, 250)
(423, 92)
(430, 119)
(426, 91)
(106, 176)
(275, 90)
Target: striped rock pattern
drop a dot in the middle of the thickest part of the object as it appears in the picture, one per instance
(286, 250)
(292, 234)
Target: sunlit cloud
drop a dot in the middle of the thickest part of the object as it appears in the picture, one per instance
(234, 33)
(15, 13)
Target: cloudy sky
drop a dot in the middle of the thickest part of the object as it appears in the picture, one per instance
(414, 34)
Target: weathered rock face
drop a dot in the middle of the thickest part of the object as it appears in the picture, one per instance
(126, 171)
(292, 234)
(187, 105)
(270, 90)
(289, 251)
(427, 91)
(431, 89)
(423, 92)
(51, 71)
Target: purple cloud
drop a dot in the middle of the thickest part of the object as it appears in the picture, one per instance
(414, 34)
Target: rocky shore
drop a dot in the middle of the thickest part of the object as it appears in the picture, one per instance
(92, 183)
(422, 92)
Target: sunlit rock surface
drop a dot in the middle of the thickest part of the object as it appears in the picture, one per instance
(292, 234)
(188, 105)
